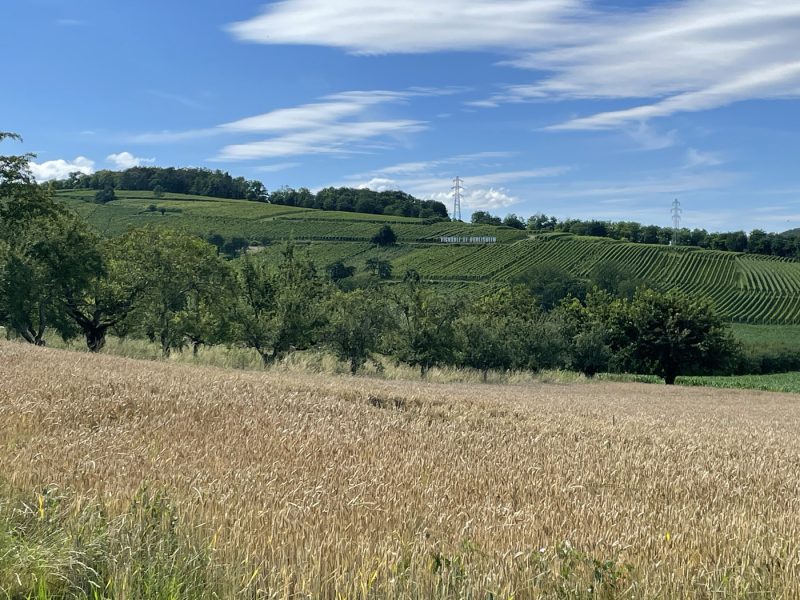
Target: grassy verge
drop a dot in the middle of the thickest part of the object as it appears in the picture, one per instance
(55, 546)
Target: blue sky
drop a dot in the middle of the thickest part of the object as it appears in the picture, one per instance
(578, 108)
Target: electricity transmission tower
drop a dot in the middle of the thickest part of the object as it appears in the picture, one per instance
(457, 190)
(676, 220)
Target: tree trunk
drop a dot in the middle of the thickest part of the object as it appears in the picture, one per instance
(485, 375)
(165, 345)
(423, 371)
(95, 338)
(266, 358)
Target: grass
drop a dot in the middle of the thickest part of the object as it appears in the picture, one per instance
(289, 485)
(55, 545)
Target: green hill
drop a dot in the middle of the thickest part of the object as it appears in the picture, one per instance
(746, 288)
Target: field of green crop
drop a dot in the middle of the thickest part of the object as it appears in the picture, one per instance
(745, 288)
(778, 382)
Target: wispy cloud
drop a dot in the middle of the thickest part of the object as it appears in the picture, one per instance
(126, 160)
(412, 26)
(669, 57)
(339, 123)
(693, 56)
(60, 168)
(696, 158)
(335, 138)
(649, 139)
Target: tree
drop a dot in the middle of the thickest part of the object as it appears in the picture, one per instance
(668, 334)
(379, 267)
(615, 278)
(480, 217)
(550, 284)
(541, 222)
(278, 310)
(425, 333)
(494, 330)
(357, 321)
(177, 267)
(105, 195)
(42, 247)
(512, 220)
(337, 271)
(384, 237)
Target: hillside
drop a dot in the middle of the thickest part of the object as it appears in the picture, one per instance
(746, 288)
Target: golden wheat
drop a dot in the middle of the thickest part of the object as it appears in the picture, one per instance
(341, 487)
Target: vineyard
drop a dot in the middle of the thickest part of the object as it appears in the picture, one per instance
(745, 288)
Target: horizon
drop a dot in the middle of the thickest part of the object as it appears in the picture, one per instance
(573, 108)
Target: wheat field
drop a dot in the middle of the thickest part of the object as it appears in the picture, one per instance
(311, 486)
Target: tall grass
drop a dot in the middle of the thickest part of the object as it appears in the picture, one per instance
(301, 485)
(56, 546)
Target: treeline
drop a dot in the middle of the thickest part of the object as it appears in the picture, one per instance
(177, 291)
(394, 203)
(219, 184)
(757, 242)
(199, 182)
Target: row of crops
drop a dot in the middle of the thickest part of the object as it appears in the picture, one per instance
(745, 288)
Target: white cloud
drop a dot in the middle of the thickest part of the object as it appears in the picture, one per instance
(669, 57)
(690, 56)
(432, 180)
(333, 138)
(60, 168)
(411, 26)
(126, 160)
(341, 123)
(490, 199)
(695, 158)
(650, 139)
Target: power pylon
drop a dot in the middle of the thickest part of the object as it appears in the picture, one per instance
(676, 220)
(457, 189)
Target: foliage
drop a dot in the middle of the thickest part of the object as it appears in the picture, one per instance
(667, 334)
(42, 245)
(425, 331)
(382, 269)
(357, 322)
(180, 271)
(615, 278)
(385, 237)
(504, 330)
(337, 270)
(550, 284)
(278, 309)
(362, 200)
(105, 195)
(480, 217)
